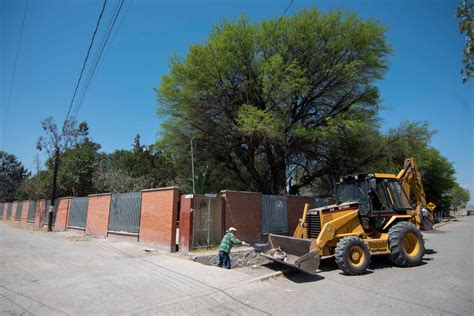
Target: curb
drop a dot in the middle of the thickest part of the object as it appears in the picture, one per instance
(267, 276)
(441, 224)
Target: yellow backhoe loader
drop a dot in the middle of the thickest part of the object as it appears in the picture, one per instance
(372, 216)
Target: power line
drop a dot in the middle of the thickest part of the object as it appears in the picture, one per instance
(90, 73)
(289, 5)
(100, 52)
(13, 76)
(85, 61)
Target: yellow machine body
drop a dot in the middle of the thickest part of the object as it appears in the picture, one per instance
(321, 229)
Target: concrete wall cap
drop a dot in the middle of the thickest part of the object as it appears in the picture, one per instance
(246, 192)
(160, 189)
(65, 197)
(99, 194)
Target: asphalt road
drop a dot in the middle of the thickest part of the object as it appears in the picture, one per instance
(57, 273)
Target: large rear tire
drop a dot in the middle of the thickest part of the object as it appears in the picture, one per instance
(406, 244)
(352, 255)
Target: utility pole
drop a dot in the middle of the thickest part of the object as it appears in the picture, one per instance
(53, 191)
(192, 164)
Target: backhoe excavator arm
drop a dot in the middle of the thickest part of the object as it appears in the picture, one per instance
(410, 180)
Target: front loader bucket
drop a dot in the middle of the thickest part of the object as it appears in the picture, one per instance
(293, 252)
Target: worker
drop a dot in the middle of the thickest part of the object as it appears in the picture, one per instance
(226, 245)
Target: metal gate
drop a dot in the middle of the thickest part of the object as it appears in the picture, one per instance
(31, 212)
(274, 214)
(125, 212)
(9, 210)
(78, 212)
(207, 221)
(19, 209)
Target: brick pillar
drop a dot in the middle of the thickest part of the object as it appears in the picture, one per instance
(62, 214)
(243, 210)
(186, 223)
(12, 217)
(98, 210)
(39, 216)
(295, 210)
(159, 213)
(24, 212)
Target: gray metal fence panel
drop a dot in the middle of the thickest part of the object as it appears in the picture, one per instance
(274, 214)
(31, 212)
(19, 209)
(78, 212)
(207, 221)
(321, 201)
(125, 212)
(9, 210)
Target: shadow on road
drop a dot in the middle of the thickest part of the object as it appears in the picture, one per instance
(430, 251)
(329, 264)
(301, 277)
(429, 232)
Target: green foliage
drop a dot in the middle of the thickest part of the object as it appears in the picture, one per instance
(259, 97)
(12, 175)
(77, 169)
(143, 167)
(459, 197)
(465, 12)
(437, 176)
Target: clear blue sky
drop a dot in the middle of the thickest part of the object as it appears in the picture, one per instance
(423, 83)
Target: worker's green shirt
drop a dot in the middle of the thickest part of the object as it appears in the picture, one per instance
(228, 241)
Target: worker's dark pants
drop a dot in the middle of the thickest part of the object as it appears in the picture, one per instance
(224, 259)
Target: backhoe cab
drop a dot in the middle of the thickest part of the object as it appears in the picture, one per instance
(372, 216)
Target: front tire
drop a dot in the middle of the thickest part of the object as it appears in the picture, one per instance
(406, 244)
(352, 255)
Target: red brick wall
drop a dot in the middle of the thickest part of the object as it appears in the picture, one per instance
(97, 222)
(12, 217)
(159, 212)
(40, 205)
(62, 214)
(243, 210)
(24, 213)
(295, 210)
(185, 223)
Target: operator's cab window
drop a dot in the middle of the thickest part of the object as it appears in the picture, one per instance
(379, 199)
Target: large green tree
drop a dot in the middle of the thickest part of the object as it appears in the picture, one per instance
(264, 98)
(12, 175)
(465, 12)
(143, 167)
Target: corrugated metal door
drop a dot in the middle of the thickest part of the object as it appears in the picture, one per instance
(207, 221)
(78, 212)
(274, 214)
(125, 212)
(31, 212)
(9, 210)
(19, 209)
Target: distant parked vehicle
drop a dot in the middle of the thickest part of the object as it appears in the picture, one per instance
(470, 212)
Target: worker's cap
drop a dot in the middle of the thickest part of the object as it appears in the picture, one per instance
(232, 229)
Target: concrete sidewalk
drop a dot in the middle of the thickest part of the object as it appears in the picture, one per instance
(56, 273)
